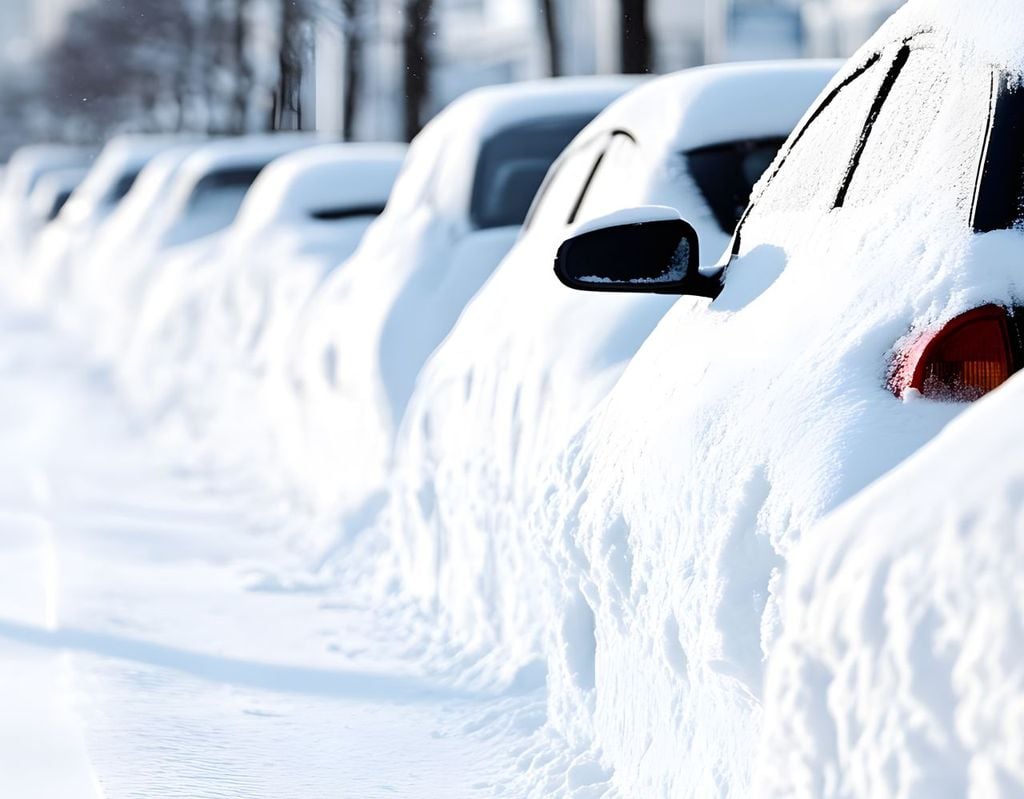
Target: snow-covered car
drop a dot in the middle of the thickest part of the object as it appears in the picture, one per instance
(23, 173)
(215, 332)
(528, 361)
(199, 201)
(862, 303)
(456, 210)
(59, 249)
(115, 242)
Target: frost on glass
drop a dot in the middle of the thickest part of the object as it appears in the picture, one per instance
(927, 140)
(815, 166)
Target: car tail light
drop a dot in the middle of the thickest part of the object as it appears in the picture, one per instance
(961, 361)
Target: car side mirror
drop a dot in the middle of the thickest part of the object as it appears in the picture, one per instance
(658, 255)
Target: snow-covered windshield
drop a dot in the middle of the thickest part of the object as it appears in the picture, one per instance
(512, 167)
(725, 174)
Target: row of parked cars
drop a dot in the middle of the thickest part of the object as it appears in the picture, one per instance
(388, 334)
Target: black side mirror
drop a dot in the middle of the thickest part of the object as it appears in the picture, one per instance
(660, 256)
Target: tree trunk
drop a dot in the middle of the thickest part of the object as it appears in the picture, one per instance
(352, 35)
(552, 38)
(636, 50)
(243, 77)
(417, 64)
(288, 100)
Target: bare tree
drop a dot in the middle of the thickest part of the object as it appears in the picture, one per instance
(635, 41)
(353, 36)
(243, 83)
(417, 64)
(291, 50)
(552, 36)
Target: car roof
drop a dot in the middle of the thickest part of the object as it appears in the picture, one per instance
(715, 104)
(328, 175)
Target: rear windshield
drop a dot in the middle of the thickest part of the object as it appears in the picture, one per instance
(512, 166)
(725, 174)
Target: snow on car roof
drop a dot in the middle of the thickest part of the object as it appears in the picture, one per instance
(122, 155)
(226, 154)
(324, 177)
(466, 123)
(992, 31)
(723, 102)
(28, 163)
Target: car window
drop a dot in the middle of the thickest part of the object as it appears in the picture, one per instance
(58, 203)
(225, 185)
(562, 189)
(512, 166)
(927, 138)
(999, 204)
(818, 161)
(122, 187)
(725, 175)
(602, 193)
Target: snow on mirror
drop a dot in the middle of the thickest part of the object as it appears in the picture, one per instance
(654, 256)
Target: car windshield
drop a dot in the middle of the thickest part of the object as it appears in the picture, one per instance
(512, 166)
(725, 175)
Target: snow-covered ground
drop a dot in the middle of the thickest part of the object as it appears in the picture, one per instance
(150, 647)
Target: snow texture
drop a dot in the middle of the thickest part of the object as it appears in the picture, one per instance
(504, 538)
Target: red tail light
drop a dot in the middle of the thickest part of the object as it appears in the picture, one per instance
(961, 362)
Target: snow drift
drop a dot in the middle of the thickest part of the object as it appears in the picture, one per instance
(899, 671)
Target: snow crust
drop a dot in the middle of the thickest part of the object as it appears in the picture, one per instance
(628, 216)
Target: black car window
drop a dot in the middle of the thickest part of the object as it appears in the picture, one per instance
(725, 174)
(926, 141)
(347, 212)
(999, 203)
(512, 166)
(58, 203)
(232, 182)
(122, 187)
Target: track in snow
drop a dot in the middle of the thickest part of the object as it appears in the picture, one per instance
(142, 656)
